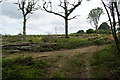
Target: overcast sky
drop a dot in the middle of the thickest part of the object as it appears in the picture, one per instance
(42, 22)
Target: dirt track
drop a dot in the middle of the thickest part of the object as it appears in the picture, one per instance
(61, 61)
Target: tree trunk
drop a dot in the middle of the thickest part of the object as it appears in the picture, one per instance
(114, 29)
(24, 25)
(112, 25)
(108, 18)
(66, 27)
(118, 15)
(96, 29)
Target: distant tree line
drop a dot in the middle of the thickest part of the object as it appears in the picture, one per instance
(104, 28)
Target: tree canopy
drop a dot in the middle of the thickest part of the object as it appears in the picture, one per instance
(81, 31)
(104, 26)
(94, 16)
(90, 31)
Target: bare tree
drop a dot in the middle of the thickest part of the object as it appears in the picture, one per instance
(27, 7)
(110, 9)
(67, 8)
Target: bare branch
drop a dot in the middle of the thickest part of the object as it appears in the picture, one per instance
(61, 5)
(75, 6)
(73, 17)
(27, 18)
(67, 7)
(50, 11)
(27, 6)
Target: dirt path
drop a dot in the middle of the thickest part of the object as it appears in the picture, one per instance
(61, 61)
(66, 62)
(89, 49)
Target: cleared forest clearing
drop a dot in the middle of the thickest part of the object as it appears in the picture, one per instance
(81, 56)
(50, 47)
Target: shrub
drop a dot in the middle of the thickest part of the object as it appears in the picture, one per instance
(104, 26)
(90, 31)
(81, 32)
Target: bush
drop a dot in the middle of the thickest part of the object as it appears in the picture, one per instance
(104, 26)
(90, 31)
(81, 32)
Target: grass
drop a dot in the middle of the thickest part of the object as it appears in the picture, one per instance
(57, 75)
(23, 67)
(106, 63)
(78, 60)
(40, 43)
(71, 43)
(60, 55)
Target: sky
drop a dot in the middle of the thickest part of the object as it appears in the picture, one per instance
(41, 22)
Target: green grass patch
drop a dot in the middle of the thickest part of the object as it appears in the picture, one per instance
(41, 43)
(78, 60)
(57, 75)
(60, 55)
(106, 63)
(23, 67)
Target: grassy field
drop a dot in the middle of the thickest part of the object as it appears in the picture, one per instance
(53, 56)
(40, 43)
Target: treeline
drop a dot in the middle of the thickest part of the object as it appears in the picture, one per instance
(104, 28)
